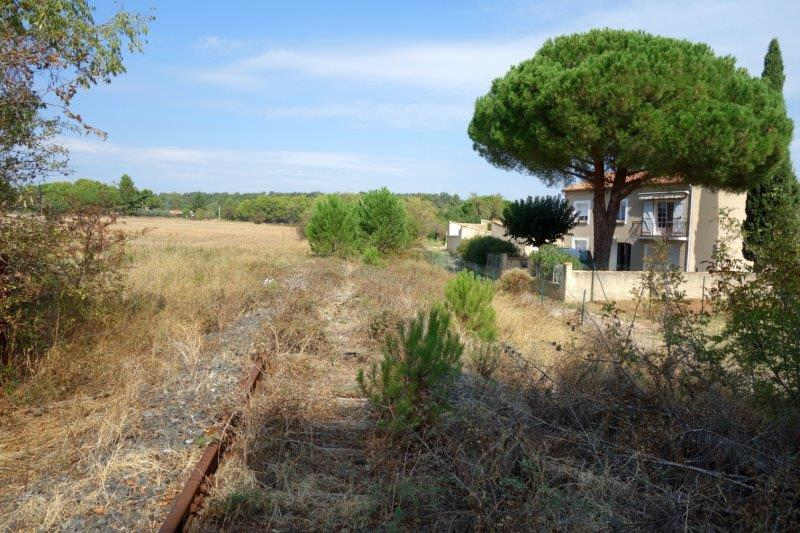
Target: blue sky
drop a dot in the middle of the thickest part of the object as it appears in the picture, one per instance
(349, 96)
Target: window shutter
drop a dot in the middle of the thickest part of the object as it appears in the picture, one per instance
(648, 217)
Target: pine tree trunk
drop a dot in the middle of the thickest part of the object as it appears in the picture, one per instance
(604, 217)
(603, 231)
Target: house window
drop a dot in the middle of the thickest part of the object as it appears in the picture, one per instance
(622, 212)
(580, 244)
(665, 211)
(582, 209)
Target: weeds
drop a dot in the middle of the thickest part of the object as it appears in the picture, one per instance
(485, 359)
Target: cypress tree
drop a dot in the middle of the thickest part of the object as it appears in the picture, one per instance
(781, 190)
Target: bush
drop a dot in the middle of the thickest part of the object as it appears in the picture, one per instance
(470, 298)
(371, 256)
(55, 275)
(409, 386)
(515, 280)
(383, 220)
(763, 311)
(333, 228)
(544, 260)
(476, 250)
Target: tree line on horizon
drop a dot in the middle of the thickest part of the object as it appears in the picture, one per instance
(59, 197)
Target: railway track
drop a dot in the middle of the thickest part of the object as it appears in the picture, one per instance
(189, 500)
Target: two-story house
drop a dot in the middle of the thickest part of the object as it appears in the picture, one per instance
(687, 217)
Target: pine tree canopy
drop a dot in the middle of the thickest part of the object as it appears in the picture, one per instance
(630, 100)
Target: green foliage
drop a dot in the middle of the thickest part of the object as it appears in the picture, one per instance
(470, 298)
(780, 191)
(625, 102)
(273, 208)
(474, 208)
(539, 221)
(409, 387)
(763, 311)
(53, 49)
(128, 195)
(423, 219)
(544, 260)
(333, 228)
(63, 196)
(663, 105)
(383, 220)
(773, 67)
(372, 256)
(55, 275)
(476, 250)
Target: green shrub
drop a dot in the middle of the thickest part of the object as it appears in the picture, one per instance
(547, 257)
(476, 250)
(515, 281)
(383, 220)
(470, 298)
(762, 310)
(333, 228)
(409, 387)
(371, 256)
(55, 276)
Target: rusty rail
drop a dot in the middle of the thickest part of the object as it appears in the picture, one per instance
(187, 501)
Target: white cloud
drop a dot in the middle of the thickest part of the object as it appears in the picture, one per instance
(739, 28)
(411, 115)
(220, 45)
(443, 66)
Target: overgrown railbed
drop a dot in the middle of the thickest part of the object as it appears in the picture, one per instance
(609, 435)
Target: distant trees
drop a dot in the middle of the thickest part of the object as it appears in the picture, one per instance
(767, 202)
(423, 218)
(620, 108)
(273, 208)
(539, 221)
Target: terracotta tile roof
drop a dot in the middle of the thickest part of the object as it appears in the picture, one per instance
(582, 185)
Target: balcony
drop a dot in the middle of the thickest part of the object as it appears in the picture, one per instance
(666, 229)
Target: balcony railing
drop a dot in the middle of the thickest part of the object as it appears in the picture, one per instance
(669, 229)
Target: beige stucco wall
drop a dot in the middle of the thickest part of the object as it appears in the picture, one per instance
(619, 286)
(705, 230)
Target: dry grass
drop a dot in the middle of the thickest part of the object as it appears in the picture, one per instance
(540, 331)
(579, 447)
(79, 429)
(88, 427)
